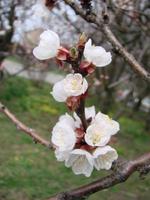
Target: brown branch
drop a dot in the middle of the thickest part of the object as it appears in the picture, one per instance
(122, 172)
(91, 18)
(32, 133)
(126, 55)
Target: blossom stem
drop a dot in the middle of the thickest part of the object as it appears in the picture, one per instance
(81, 113)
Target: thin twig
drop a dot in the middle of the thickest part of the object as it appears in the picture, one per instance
(92, 18)
(22, 127)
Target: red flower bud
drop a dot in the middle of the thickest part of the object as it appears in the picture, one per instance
(86, 67)
(62, 54)
(73, 102)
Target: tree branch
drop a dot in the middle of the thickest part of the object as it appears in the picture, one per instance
(92, 18)
(122, 171)
(32, 133)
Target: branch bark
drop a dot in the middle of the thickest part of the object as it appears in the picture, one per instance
(92, 18)
(122, 171)
(32, 133)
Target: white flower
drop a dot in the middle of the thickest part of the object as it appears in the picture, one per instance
(81, 162)
(48, 45)
(96, 54)
(75, 84)
(100, 130)
(89, 113)
(96, 135)
(111, 126)
(63, 135)
(72, 85)
(104, 157)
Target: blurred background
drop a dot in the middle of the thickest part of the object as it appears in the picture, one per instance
(29, 171)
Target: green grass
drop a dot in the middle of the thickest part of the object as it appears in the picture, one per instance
(29, 171)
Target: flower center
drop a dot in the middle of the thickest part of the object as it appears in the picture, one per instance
(96, 137)
(74, 84)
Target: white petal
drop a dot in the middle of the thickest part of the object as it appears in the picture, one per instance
(88, 50)
(81, 162)
(104, 157)
(90, 112)
(110, 126)
(48, 45)
(103, 60)
(96, 54)
(67, 119)
(42, 53)
(85, 86)
(88, 44)
(51, 37)
(61, 155)
(63, 136)
(96, 136)
(58, 92)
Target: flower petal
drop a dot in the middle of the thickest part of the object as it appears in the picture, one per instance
(110, 126)
(63, 136)
(104, 157)
(61, 155)
(96, 54)
(42, 53)
(58, 92)
(96, 136)
(81, 162)
(48, 45)
(51, 37)
(103, 60)
(67, 119)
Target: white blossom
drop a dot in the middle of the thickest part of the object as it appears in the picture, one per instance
(81, 162)
(96, 54)
(48, 45)
(101, 129)
(72, 85)
(111, 126)
(104, 157)
(96, 135)
(67, 119)
(63, 135)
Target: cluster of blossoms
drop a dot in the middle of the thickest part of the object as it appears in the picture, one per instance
(80, 141)
(84, 150)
